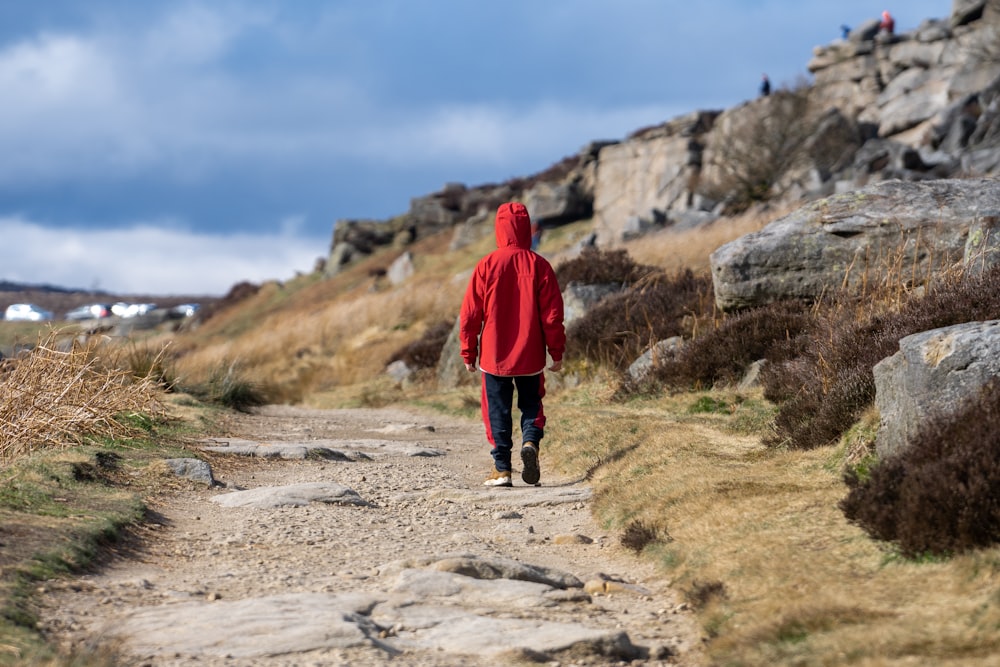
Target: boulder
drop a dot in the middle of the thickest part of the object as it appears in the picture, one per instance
(557, 203)
(981, 161)
(954, 126)
(451, 371)
(579, 298)
(911, 98)
(982, 247)
(366, 235)
(907, 229)
(886, 156)
(664, 349)
(441, 209)
(340, 255)
(966, 11)
(195, 470)
(401, 269)
(472, 230)
(865, 32)
(933, 30)
(933, 374)
(399, 371)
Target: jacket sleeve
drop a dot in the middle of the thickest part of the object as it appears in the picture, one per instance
(470, 319)
(550, 304)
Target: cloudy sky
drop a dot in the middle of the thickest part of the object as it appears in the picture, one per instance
(179, 147)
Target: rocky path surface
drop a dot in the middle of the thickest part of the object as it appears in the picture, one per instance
(364, 537)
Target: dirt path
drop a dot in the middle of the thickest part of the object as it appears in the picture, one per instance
(401, 558)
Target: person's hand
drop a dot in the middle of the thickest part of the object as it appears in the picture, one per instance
(471, 368)
(556, 366)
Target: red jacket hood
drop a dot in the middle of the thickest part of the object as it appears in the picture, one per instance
(513, 226)
(512, 312)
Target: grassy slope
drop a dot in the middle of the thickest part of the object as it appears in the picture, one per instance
(752, 536)
(61, 510)
(755, 540)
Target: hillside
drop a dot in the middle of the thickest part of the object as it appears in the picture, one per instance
(736, 462)
(752, 533)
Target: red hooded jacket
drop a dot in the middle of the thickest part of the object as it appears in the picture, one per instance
(512, 311)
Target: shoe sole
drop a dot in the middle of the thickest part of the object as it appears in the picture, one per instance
(503, 482)
(529, 459)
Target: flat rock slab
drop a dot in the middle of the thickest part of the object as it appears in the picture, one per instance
(258, 627)
(297, 623)
(293, 495)
(431, 606)
(457, 631)
(476, 567)
(422, 585)
(338, 450)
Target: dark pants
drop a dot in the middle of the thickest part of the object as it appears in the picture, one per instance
(497, 400)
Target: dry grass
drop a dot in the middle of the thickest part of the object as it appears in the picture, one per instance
(56, 395)
(344, 340)
(802, 586)
(690, 249)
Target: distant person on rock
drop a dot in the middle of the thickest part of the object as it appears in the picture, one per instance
(888, 24)
(765, 86)
(512, 314)
(845, 31)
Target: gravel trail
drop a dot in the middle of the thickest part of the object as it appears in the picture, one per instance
(395, 554)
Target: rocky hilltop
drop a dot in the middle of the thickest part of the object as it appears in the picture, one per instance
(913, 106)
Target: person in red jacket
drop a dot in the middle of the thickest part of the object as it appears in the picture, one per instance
(512, 314)
(888, 24)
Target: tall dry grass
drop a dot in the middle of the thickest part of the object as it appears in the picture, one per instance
(57, 394)
(330, 333)
(691, 248)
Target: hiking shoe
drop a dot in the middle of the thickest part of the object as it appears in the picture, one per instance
(529, 459)
(498, 478)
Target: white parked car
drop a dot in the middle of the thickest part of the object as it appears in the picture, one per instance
(185, 310)
(91, 311)
(132, 309)
(26, 312)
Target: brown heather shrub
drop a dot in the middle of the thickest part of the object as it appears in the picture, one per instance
(703, 593)
(599, 267)
(722, 354)
(823, 380)
(425, 352)
(638, 535)
(942, 495)
(622, 326)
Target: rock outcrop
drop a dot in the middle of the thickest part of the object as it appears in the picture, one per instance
(933, 374)
(917, 106)
(894, 231)
(934, 90)
(560, 194)
(641, 182)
